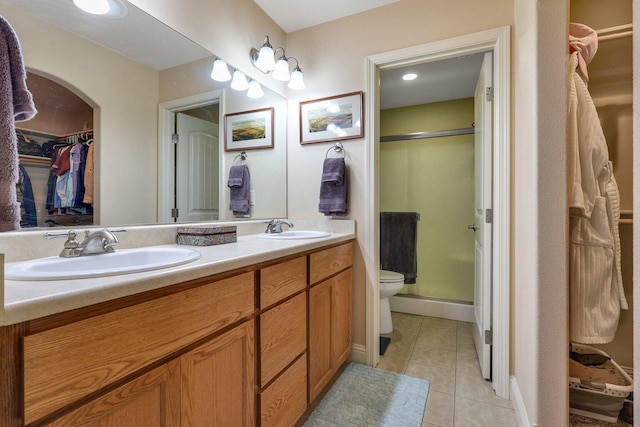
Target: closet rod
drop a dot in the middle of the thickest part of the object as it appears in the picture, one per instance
(430, 134)
(613, 33)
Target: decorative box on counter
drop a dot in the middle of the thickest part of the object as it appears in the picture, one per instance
(206, 235)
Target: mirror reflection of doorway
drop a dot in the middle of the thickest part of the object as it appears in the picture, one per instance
(190, 162)
(197, 157)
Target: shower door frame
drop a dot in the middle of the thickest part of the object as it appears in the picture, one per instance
(496, 41)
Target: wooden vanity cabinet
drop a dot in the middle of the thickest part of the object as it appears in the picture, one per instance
(65, 366)
(248, 349)
(330, 314)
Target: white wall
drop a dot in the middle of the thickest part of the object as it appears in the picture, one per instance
(539, 340)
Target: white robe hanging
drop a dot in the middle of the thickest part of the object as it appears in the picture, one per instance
(596, 291)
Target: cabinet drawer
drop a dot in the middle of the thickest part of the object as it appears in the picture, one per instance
(325, 263)
(66, 363)
(285, 400)
(282, 280)
(283, 336)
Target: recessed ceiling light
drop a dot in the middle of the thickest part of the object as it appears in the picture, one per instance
(110, 8)
(409, 76)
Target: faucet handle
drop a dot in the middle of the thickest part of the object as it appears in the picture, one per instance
(116, 230)
(57, 234)
(70, 245)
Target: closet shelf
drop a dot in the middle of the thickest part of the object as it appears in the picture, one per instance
(34, 160)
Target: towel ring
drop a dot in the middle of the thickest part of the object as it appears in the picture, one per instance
(242, 156)
(337, 147)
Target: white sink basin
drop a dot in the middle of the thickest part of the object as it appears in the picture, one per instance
(295, 234)
(122, 261)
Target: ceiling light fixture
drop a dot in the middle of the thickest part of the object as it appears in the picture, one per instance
(109, 8)
(265, 61)
(409, 76)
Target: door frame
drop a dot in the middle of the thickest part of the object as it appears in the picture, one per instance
(498, 41)
(166, 158)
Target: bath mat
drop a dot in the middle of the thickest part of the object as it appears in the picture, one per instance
(365, 396)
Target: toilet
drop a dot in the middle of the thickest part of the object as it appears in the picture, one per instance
(390, 284)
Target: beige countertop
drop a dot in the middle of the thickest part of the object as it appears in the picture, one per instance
(27, 300)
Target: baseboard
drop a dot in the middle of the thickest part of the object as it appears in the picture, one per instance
(432, 308)
(358, 354)
(518, 405)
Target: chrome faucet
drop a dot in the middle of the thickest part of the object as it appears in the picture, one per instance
(275, 226)
(99, 242)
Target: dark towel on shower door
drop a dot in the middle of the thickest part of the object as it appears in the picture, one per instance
(398, 243)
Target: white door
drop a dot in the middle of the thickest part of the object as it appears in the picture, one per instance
(482, 225)
(197, 166)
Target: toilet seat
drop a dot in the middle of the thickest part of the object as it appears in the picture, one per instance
(390, 277)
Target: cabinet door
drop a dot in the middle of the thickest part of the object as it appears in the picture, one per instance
(218, 380)
(150, 400)
(320, 370)
(341, 315)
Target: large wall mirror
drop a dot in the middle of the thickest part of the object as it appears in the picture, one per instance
(138, 94)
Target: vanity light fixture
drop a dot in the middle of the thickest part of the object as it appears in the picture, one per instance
(239, 81)
(109, 8)
(264, 60)
(255, 90)
(220, 71)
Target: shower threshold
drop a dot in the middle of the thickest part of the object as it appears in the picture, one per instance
(435, 299)
(432, 307)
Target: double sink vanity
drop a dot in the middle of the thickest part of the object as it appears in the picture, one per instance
(246, 333)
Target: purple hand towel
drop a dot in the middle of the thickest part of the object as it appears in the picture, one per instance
(239, 186)
(333, 193)
(236, 175)
(17, 105)
(333, 170)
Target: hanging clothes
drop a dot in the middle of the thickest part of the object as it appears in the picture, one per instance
(17, 105)
(24, 192)
(596, 289)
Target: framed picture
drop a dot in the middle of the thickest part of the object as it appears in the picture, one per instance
(332, 119)
(248, 130)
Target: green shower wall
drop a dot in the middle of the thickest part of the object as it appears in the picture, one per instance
(435, 178)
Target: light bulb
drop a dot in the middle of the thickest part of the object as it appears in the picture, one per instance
(239, 81)
(95, 7)
(297, 81)
(282, 70)
(255, 90)
(220, 71)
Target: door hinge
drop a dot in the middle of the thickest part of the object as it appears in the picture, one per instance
(488, 337)
(175, 138)
(489, 216)
(174, 213)
(489, 93)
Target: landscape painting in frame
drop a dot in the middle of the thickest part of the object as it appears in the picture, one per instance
(248, 130)
(332, 119)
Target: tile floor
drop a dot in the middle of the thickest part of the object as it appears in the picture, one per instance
(441, 351)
